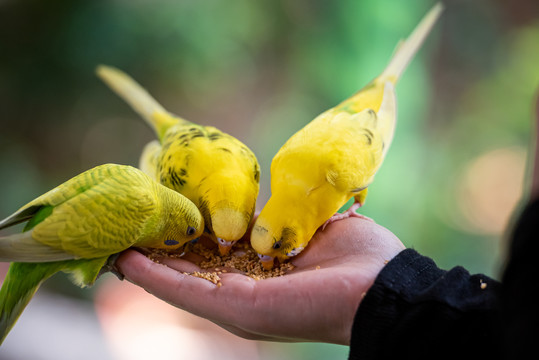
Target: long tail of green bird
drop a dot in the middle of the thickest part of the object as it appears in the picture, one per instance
(138, 98)
(20, 284)
(24, 278)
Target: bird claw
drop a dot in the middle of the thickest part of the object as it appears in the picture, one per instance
(110, 266)
(351, 212)
(295, 251)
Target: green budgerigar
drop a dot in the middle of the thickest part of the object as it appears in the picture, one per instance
(77, 226)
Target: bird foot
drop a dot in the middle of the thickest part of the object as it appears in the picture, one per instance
(110, 266)
(351, 212)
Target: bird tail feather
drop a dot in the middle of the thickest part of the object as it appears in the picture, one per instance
(138, 98)
(22, 247)
(387, 113)
(20, 285)
(23, 280)
(407, 49)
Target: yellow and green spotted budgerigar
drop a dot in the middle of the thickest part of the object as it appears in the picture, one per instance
(213, 169)
(78, 225)
(332, 159)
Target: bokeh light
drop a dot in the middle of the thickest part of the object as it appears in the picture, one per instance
(488, 190)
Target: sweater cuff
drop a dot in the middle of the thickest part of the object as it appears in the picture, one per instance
(413, 304)
(376, 313)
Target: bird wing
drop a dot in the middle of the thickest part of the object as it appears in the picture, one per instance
(97, 213)
(23, 248)
(149, 158)
(338, 148)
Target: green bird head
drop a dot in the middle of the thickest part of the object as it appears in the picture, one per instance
(178, 221)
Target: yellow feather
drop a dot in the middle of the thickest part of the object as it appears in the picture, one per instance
(149, 157)
(333, 158)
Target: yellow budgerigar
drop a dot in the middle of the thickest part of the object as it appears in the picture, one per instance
(332, 159)
(213, 169)
(78, 225)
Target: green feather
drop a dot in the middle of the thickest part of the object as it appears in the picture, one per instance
(39, 216)
(75, 227)
(23, 280)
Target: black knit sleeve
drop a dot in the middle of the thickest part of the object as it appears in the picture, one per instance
(416, 310)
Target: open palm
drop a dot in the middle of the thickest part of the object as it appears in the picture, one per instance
(316, 301)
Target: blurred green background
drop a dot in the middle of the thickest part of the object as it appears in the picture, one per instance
(261, 70)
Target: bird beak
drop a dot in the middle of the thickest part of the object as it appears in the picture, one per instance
(267, 261)
(224, 246)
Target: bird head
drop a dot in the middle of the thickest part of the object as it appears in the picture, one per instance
(229, 225)
(228, 207)
(276, 241)
(182, 221)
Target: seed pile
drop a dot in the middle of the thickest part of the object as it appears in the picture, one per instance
(243, 259)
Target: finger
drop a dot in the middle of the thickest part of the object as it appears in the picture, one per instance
(196, 295)
(241, 300)
(252, 335)
(183, 265)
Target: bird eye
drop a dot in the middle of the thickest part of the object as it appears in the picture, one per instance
(277, 245)
(191, 231)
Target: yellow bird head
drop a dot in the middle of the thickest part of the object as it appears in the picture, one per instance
(228, 206)
(275, 236)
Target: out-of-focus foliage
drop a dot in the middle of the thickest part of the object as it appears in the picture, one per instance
(261, 70)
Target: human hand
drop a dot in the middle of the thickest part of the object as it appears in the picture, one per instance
(316, 301)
